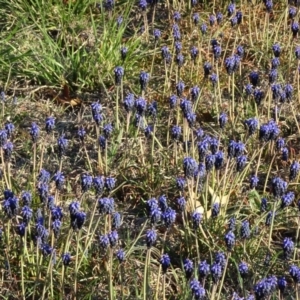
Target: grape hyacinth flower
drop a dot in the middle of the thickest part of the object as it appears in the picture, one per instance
(46, 249)
(109, 5)
(20, 229)
(297, 52)
(220, 258)
(86, 182)
(288, 247)
(232, 223)
(116, 220)
(123, 51)
(273, 75)
(180, 183)
(209, 161)
(165, 262)
(219, 17)
(179, 60)
(229, 240)
(292, 12)
(268, 131)
(276, 91)
(280, 143)
(245, 230)
(176, 32)
(265, 287)
(110, 183)
(152, 109)
(288, 88)
(230, 9)
(190, 166)
(107, 130)
(173, 101)
(56, 226)
(275, 62)
(178, 47)
(26, 214)
(56, 213)
(49, 124)
(163, 203)
(144, 79)
(219, 158)
(43, 190)
(249, 89)
(212, 20)
(295, 28)
(203, 28)
(113, 238)
(279, 187)
(239, 16)
(223, 120)
(231, 64)
(176, 16)
(104, 241)
(269, 218)
(119, 73)
(180, 88)
(197, 289)
(294, 170)
(241, 162)
(203, 269)
(143, 5)
(243, 269)
(129, 102)
(120, 255)
(62, 144)
(213, 78)
(151, 237)
(294, 271)
(215, 209)
(263, 205)
(66, 258)
(258, 96)
(102, 142)
(59, 180)
(176, 132)
(155, 216)
(253, 181)
(276, 50)
(287, 199)
(251, 125)
(240, 51)
(217, 50)
(254, 78)
(106, 206)
(156, 34)
(26, 197)
(196, 219)
(233, 21)
(181, 203)
(7, 150)
(34, 132)
(281, 283)
(151, 205)
(78, 219)
(9, 127)
(99, 183)
(195, 92)
(216, 272)
(81, 133)
(10, 206)
(196, 18)
(207, 68)
(165, 53)
(140, 105)
(188, 267)
(96, 112)
(119, 21)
